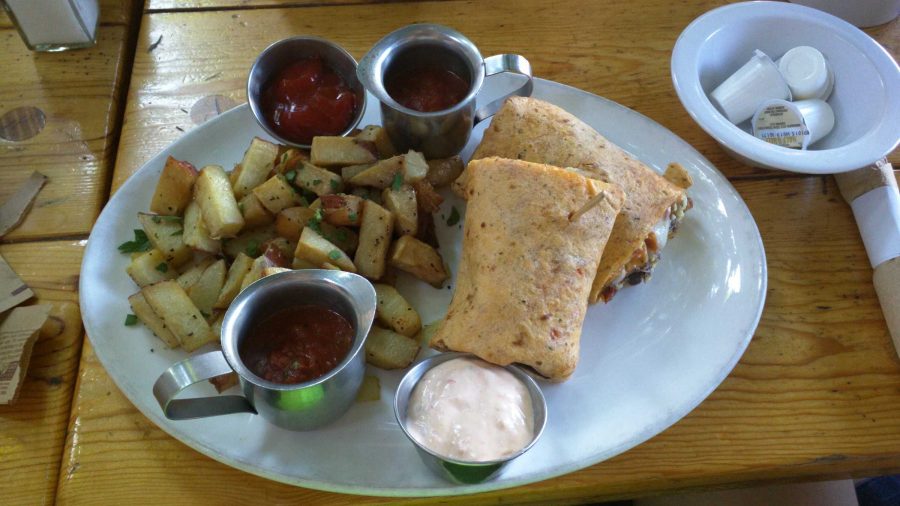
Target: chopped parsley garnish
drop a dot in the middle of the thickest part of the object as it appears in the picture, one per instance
(334, 254)
(290, 175)
(252, 248)
(398, 181)
(454, 217)
(241, 207)
(341, 235)
(140, 243)
(180, 231)
(162, 267)
(351, 216)
(316, 182)
(334, 185)
(130, 320)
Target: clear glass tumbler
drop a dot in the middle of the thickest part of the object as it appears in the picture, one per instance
(55, 25)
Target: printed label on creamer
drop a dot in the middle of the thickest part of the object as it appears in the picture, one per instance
(781, 125)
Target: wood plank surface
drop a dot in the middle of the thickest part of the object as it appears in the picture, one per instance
(616, 51)
(32, 431)
(817, 394)
(186, 5)
(77, 94)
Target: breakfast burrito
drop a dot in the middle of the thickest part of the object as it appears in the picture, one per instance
(532, 241)
(536, 131)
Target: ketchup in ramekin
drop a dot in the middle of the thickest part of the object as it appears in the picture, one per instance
(306, 99)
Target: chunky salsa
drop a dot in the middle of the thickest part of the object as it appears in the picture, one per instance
(306, 99)
(297, 344)
(427, 88)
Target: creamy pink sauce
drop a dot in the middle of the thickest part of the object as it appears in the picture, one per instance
(467, 409)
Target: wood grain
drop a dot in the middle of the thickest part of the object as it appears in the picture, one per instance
(78, 92)
(32, 431)
(187, 5)
(616, 51)
(816, 394)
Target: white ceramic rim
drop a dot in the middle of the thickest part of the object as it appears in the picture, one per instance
(877, 143)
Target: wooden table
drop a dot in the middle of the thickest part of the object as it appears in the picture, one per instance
(66, 108)
(816, 395)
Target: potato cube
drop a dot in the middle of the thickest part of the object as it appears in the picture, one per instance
(249, 242)
(394, 312)
(236, 273)
(195, 234)
(340, 151)
(317, 250)
(389, 350)
(166, 234)
(150, 267)
(443, 171)
(318, 180)
(276, 194)
(375, 232)
(401, 202)
(173, 306)
(205, 292)
(419, 259)
(259, 159)
(153, 322)
(174, 189)
(343, 209)
(213, 193)
(378, 136)
(255, 214)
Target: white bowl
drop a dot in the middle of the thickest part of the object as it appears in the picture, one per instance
(866, 97)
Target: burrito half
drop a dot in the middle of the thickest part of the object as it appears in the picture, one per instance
(528, 260)
(536, 131)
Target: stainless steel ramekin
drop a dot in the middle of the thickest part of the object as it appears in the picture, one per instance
(280, 54)
(464, 471)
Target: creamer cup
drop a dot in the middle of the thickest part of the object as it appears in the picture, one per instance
(795, 125)
(807, 73)
(742, 93)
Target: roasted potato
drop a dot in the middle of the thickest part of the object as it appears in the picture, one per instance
(153, 322)
(349, 171)
(394, 312)
(341, 151)
(192, 272)
(205, 292)
(259, 159)
(370, 390)
(424, 335)
(375, 232)
(196, 234)
(443, 171)
(389, 350)
(419, 259)
(174, 189)
(378, 136)
(213, 193)
(401, 202)
(427, 199)
(166, 235)
(342, 209)
(249, 242)
(317, 180)
(276, 194)
(173, 306)
(150, 267)
(236, 273)
(317, 250)
(255, 214)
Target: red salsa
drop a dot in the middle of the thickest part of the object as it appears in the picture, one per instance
(307, 99)
(297, 344)
(427, 88)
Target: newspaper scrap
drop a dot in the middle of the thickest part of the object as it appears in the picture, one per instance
(13, 291)
(13, 211)
(18, 333)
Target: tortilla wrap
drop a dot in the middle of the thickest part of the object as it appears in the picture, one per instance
(536, 131)
(525, 272)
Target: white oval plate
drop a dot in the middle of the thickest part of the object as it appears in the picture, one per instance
(647, 358)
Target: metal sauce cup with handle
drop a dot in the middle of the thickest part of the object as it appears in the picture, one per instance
(443, 133)
(301, 406)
